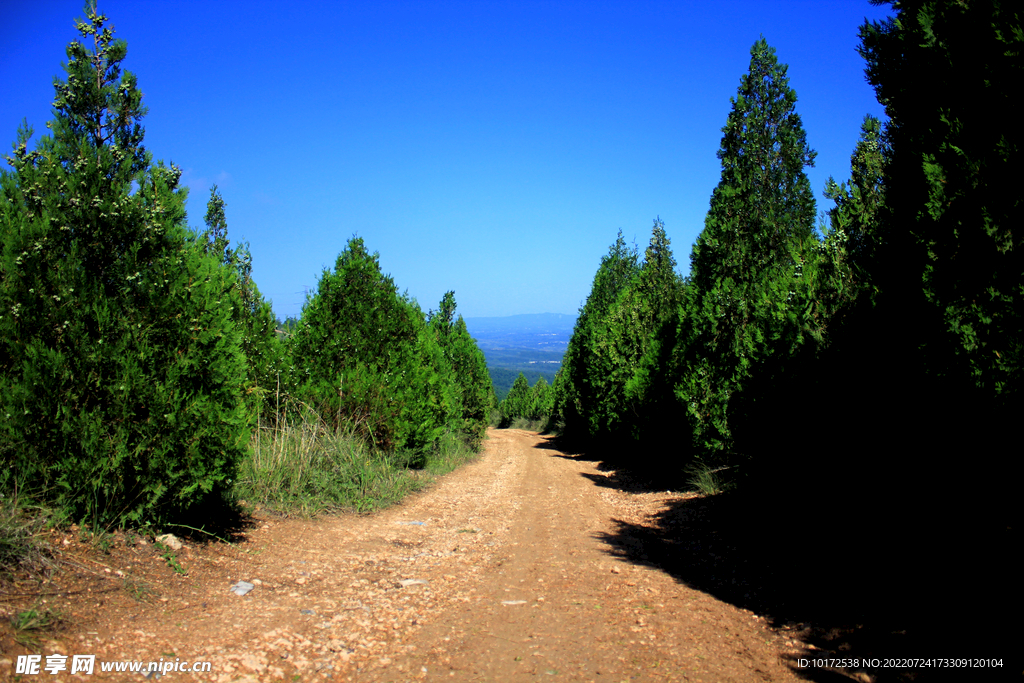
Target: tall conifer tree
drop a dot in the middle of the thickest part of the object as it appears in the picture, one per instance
(583, 378)
(120, 366)
(264, 353)
(747, 263)
(949, 74)
(634, 323)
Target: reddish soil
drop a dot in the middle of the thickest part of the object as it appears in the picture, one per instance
(526, 572)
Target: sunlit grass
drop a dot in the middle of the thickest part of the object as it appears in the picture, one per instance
(299, 464)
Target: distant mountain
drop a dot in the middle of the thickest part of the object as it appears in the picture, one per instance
(533, 344)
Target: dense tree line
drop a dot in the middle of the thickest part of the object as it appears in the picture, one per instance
(525, 403)
(863, 349)
(137, 355)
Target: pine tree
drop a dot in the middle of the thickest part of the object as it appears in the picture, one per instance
(748, 292)
(583, 378)
(120, 366)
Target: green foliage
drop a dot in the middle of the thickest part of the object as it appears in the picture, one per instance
(749, 298)
(948, 74)
(168, 555)
(120, 365)
(29, 625)
(299, 463)
(464, 372)
(517, 403)
(266, 361)
(706, 480)
(643, 316)
(21, 548)
(366, 356)
(503, 378)
(355, 351)
(542, 400)
(604, 389)
(583, 380)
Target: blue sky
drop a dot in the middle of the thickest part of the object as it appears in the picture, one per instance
(492, 148)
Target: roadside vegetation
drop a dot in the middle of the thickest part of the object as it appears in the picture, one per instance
(844, 369)
(526, 407)
(843, 365)
(143, 380)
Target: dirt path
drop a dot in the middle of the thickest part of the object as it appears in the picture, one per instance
(508, 576)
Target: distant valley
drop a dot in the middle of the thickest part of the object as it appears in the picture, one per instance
(532, 343)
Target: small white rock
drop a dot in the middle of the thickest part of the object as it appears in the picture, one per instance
(171, 541)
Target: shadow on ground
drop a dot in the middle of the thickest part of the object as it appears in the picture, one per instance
(841, 581)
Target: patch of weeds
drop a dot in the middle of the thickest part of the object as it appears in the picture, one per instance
(172, 560)
(137, 589)
(298, 463)
(529, 425)
(31, 624)
(102, 540)
(451, 453)
(21, 531)
(706, 479)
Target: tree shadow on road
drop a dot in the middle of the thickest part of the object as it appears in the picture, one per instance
(620, 472)
(841, 581)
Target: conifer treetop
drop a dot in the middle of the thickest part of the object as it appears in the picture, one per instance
(100, 104)
(764, 199)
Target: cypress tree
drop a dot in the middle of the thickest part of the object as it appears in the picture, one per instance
(583, 378)
(641, 313)
(517, 403)
(747, 264)
(267, 372)
(540, 399)
(362, 356)
(120, 366)
(948, 74)
(465, 371)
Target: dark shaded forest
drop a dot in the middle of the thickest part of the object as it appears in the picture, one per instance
(851, 387)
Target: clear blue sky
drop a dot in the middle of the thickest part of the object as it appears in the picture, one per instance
(492, 148)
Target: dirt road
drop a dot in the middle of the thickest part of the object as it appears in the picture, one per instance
(506, 570)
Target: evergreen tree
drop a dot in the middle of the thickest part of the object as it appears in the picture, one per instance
(948, 74)
(120, 366)
(583, 378)
(749, 297)
(846, 254)
(361, 356)
(466, 371)
(643, 311)
(541, 400)
(517, 403)
(264, 353)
